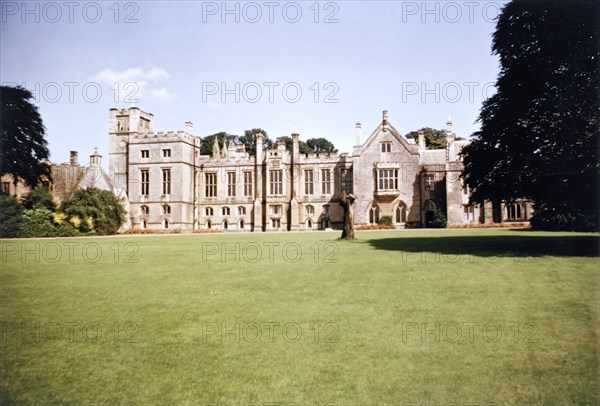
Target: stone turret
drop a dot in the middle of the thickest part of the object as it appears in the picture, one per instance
(258, 182)
(189, 127)
(224, 154)
(96, 158)
(449, 138)
(123, 124)
(216, 152)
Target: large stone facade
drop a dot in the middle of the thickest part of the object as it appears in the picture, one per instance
(166, 184)
(171, 186)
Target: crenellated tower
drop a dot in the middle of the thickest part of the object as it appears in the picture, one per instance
(123, 124)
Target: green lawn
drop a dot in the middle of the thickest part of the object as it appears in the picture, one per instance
(423, 316)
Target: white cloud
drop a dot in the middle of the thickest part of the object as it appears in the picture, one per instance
(136, 83)
(161, 94)
(213, 105)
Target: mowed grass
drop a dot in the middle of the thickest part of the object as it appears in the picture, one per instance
(423, 316)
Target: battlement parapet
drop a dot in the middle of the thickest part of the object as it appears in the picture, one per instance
(173, 135)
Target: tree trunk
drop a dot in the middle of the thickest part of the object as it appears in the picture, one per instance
(347, 203)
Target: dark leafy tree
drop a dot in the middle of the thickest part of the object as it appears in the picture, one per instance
(320, 145)
(11, 216)
(302, 147)
(23, 148)
(539, 132)
(39, 197)
(249, 140)
(208, 142)
(434, 139)
(102, 206)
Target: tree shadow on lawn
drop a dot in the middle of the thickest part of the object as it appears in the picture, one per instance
(487, 246)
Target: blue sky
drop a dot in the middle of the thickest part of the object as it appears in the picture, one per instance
(339, 62)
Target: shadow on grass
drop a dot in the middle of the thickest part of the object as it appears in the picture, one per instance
(485, 246)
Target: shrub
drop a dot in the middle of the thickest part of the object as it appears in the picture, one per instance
(38, 222)
(139, 231)
(439, 221)
(11, 216)
(386, 221)
(95, 211)
(374, 227)
(66, 229)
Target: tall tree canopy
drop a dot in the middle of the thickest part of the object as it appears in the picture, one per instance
(539, 132)
(303, 147)
(23, 148)
(434, 139)
(249, 140)
(320, 145)
(312, 145)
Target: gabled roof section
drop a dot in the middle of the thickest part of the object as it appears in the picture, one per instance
(385, 127)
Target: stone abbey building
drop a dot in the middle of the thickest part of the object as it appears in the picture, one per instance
(169, 185)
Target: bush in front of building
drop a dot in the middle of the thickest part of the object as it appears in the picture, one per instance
(86, 212)
(386, 221)
(38, 222)
(374, 227)
(94, 211)
(439, 221)
(39, 197)
(11, 216)
(138, 231)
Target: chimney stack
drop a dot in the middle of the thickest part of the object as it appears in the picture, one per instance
(385, 120)
(280, 144)
(258, 157)
(74, 161)
(422, 141)
(295, 147)
(189, 127)
(358, 134)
